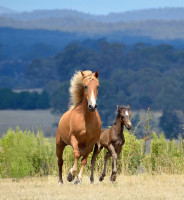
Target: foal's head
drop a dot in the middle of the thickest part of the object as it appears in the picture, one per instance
(124, 114)
(91, 86)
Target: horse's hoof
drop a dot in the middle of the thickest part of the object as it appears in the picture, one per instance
(113, 179)
(60, 183)
(77, 182)
(92, 180)
(101, 178)
(70, 177)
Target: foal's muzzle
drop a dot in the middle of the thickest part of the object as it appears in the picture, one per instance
(129, 126)
(92, 108)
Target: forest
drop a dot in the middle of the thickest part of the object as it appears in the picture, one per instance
(141, 75)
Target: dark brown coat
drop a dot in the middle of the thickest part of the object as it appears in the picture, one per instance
(112, 139)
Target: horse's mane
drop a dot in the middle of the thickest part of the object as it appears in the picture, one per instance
(77, 87)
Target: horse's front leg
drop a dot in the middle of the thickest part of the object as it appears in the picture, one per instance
(76, 152)
(83, 163)
(114, 165)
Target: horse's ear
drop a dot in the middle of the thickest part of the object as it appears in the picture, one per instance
(82, 73)
(96, 74)
(128, 107)
(117, 107)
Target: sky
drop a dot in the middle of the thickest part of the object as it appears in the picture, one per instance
(90, 6)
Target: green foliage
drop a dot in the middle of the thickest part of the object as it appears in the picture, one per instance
(166, 156)
(24, 153)
(132, 153)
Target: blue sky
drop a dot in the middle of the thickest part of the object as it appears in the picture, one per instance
(90, 6)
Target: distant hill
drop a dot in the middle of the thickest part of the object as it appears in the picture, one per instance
(147, 14)
(4, 10)
(42, 14)
(162, 29)
(136, 15)
(28, 44)
(159, 24)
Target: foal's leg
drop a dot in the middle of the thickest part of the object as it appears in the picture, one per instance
(76, 153)
(114, 164)
(95, 154)
(107, 156)
(60, 145)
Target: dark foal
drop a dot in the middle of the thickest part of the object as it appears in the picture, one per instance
(112, 139)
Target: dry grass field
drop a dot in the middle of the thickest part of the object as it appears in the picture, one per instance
(143, 187)
(35, 119)
(28, 119)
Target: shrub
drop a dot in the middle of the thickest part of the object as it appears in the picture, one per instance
(24, 153)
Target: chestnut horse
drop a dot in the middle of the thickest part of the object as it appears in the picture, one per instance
(80, 126)
(112, 139)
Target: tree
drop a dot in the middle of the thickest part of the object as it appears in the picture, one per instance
(170, 122)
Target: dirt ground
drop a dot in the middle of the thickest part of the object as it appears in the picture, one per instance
(143, 187)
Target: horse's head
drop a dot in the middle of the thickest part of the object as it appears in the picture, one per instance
(91, 86)
(124, 113)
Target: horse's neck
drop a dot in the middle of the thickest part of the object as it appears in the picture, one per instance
(119, 127)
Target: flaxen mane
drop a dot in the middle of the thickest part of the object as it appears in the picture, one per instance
(77, 87)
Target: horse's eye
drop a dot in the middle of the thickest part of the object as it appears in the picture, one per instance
(86, 87)
(98, 87)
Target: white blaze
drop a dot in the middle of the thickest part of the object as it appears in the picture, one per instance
(126, 113)
(93, 100)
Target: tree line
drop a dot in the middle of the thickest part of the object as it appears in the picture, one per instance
(23, 100)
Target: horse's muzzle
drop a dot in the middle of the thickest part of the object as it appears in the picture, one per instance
(92, 108)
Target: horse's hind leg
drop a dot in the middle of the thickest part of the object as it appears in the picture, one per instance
(107, 156)
(60, 145)
(97, 150)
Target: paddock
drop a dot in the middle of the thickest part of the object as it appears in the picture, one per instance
(142, 186)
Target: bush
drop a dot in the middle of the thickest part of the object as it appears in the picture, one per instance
(24, 153)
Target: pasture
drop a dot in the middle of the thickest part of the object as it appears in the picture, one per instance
(28, 170)
(44, 119)
(29, 119)
(135, 187)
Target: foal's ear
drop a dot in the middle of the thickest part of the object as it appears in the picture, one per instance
(82, 73)
(117, 107)
(128, 107)
(96, 74)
